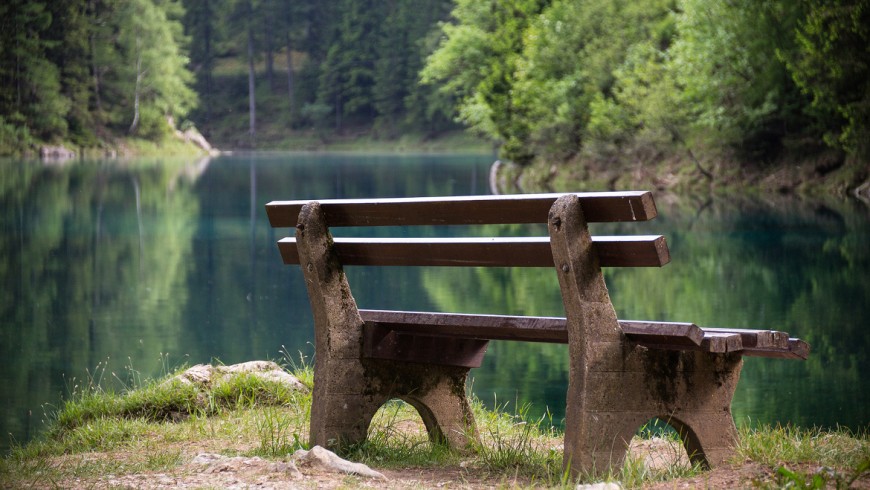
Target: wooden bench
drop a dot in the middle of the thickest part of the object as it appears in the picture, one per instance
(621, 373)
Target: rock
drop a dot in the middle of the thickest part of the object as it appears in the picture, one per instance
(599, 486)
(205, 375)
(862, 192)
(217, 463)
(56, 153)
(327, 459)
(199, 374)
(194, 136)
(249, 367)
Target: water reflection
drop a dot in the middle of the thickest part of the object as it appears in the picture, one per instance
(153, 264)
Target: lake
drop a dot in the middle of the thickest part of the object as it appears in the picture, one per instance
(119, 272)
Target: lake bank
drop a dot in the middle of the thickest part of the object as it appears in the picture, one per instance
(816, 174)
(157, 434)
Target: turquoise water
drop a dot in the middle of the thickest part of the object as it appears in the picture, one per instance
(115, 273)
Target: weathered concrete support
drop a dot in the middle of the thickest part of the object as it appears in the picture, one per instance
(349, 389)
(614, 386)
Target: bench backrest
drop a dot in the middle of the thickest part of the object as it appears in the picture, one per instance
(612, 251)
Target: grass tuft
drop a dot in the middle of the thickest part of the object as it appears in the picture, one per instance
(515, 442)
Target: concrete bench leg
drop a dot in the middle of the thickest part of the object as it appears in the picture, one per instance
(348, 389)
(616, 387)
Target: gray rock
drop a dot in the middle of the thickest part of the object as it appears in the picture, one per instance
(327, 459)
(599, 486)
(206, 375)
(216, 463)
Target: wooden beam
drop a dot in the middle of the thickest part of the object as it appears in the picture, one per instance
(466, 210)
(627, 251)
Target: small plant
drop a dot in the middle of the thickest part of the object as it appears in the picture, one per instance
(279, 432)
(515, 441)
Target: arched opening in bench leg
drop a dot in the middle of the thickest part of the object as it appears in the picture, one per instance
(410, 419)
(398, 421)
(660, 445)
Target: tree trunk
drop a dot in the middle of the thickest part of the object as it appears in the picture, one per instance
(208, 62)
(94, 68)
(135, 124)
(270, 60)
(289, 78)
(252, 109)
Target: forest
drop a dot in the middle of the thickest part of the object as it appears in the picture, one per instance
(555, 81)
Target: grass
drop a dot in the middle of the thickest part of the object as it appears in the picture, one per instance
(807, 458)
(158, 425)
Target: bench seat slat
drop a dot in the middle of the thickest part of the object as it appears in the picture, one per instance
(756, 339)
(654, 335)
(466, 210)
(797, 349)
(491, 327)
(622, 251)
(523, 328)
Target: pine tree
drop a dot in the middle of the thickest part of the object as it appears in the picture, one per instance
(30, 88)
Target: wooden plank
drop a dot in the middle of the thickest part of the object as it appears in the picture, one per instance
(718, 343)
(522, 328)
(653, 335)
(466, 210)
(384, 343)
(492, 327)
(797, 349)
(721, 342)
(756, 339)
(629, 251)
(663, 333)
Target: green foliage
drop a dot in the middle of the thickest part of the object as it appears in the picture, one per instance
(476, 63)
(553, 80)
(155, 73)
(13, 138)
(74, 70)
(30, 95)
(725, 60)
(568, 99)
(832, 63)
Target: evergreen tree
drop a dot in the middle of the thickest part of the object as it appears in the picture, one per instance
(70, 31)
(203, 26)
(347, 72)
(30, 88)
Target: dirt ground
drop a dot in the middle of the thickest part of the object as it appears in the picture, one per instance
(244, 473)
